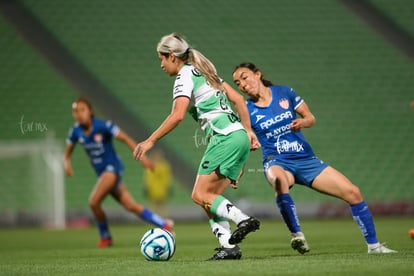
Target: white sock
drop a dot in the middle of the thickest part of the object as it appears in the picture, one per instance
(222, 232)
(225, 224)
(227, 210)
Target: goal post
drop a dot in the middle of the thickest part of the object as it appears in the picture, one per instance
(32, 183)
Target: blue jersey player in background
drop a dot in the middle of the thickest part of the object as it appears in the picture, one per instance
(288, 158)
(96, 138)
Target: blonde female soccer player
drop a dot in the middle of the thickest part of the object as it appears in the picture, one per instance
(96, 137)
(199, 90)
(288, 158)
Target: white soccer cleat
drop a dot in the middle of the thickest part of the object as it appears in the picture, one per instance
(379, 249)
(300, 244)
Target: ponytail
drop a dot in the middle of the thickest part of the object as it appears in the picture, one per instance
(176, 44)
(206, 67)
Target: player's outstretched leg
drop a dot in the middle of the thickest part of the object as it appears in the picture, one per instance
(362, 216)
(124, 197)
(153, 218)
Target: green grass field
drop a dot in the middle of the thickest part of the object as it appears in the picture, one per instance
(337, 248)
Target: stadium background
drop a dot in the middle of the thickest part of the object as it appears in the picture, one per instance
(358, 84)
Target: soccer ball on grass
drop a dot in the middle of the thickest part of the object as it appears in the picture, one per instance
(157, 245)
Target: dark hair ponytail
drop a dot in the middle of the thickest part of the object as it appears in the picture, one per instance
(252, 67)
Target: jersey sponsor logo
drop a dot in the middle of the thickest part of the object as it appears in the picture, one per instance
(259, 117)
(254, 111)
(286, 146)
(94, 149)
(278, 118)
(284, 103)
(278, 131)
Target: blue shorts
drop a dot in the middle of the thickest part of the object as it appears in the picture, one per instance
(119, 173)
(305, 170)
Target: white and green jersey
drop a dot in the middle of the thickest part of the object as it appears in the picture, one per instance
(207, 105)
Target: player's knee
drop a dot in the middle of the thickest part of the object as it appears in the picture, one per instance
(354, 195)
(94, 204)
(196, 197)
(279, 185)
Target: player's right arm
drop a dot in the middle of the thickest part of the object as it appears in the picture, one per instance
(183, 87)
(177, 114)
(70, 144)
(66, 161)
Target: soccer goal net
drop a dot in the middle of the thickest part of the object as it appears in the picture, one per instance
(32, 183)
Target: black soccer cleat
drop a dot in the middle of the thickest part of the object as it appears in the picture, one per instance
(243, 228)
(227, 254)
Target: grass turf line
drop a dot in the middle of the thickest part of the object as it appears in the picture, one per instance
(337, 248)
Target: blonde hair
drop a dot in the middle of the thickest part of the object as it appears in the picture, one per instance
(176, 44)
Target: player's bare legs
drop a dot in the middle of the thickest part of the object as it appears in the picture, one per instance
(332, 182)
(207, 193)
(122, 195)
(105, 186)
(105, 183)
(207, 187)
(279, 179)
(102, 188)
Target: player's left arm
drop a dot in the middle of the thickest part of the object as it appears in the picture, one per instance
(123, 137)
(307, 119)
(241, 108)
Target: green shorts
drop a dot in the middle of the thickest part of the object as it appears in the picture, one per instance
(226, 154)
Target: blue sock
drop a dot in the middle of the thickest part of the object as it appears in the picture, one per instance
(153, 218)
(363, 218)
(288, 211)
(103, 229)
